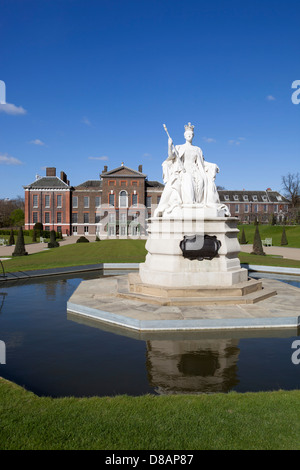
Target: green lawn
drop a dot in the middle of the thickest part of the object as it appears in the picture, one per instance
(78, 254)
(265, 420)
(274, 232)
(111, 251)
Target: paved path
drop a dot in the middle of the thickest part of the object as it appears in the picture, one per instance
(289, 253)
(37, 247)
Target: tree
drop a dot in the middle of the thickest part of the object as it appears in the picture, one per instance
(283, 238)
(53, 243)
(20, 245)
(243, 240)
(11, 240)
(291, 187)
(34, 235)
(17, 218)
(7, 207)
(257, 244)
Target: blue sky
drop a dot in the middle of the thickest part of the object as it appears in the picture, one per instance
(90, 83)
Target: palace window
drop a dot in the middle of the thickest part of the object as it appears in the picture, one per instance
(59, 201)
(86, 218)
(58, 217)
(75, 202)
(97, 201)
(123, 199)
(86, 202)
(111, 200)
(35, 200)
(74, 218)
(47, 217)
(34, 217)
(47, 200)
(123, 217)
(134, 199)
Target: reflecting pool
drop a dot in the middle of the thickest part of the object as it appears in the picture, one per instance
(53, 353)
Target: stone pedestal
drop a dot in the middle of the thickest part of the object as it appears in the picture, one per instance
(165, 264)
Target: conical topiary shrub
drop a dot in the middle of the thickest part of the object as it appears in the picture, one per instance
(243, 240)
(34, 235)
(53, 243)
(257, 244)
(284, 240)
(11, 240)
(20, 245)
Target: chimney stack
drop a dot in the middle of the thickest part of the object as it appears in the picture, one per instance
(105, 169)
(141, 168)
(51, 171)
(63, 177)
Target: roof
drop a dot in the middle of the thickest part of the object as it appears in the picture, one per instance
(48, 182)
(90, 184)
(251, 196)
(154, 184)
(123, 171)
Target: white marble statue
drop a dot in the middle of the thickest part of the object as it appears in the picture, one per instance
(189, 180)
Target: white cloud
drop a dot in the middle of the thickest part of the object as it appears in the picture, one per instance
(36, 142)
(10, 108)
(99, 158)
(270, 98)
(147, 155)
(234, 142)
(86, 121)
(5, 159)
(209, 140)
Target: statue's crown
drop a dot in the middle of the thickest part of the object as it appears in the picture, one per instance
(189, 127)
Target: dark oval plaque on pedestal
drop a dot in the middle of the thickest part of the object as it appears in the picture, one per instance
(200, 247)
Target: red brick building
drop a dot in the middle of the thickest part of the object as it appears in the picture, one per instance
(48, 200)
(119, 203)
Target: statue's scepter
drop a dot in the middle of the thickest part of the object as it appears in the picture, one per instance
(174, 149)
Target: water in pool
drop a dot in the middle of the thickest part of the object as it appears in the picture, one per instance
(53, 353)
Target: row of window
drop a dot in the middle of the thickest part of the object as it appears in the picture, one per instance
(123, 200)
(255, 208)
(246, 198)
(124, 230)
(86, 218)
(47, 200)
(35, 217)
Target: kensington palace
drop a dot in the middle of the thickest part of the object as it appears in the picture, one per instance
(119, 203)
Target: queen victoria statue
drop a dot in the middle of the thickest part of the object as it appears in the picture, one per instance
(189, 179)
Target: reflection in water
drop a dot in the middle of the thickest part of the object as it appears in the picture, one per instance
(195, 366)
(55, 354)
(2, 298)
(55, 288)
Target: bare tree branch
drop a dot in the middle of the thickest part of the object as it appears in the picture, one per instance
(291, 187)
